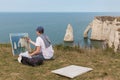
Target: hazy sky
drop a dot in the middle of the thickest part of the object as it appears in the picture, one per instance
(59, 5)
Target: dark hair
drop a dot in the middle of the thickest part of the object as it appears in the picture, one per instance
(40, 29)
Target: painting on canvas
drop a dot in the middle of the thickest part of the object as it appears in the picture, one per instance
(19, 43)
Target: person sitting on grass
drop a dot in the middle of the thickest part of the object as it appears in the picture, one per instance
(43, 51)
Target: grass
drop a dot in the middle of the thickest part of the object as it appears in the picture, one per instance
(106, 64)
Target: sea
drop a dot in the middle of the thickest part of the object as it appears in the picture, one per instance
(54, 23)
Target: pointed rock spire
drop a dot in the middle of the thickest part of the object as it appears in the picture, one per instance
(69, 34)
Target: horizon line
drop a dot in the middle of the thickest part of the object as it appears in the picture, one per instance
(57, 12)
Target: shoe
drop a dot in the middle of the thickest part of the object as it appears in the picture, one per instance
(19, 59)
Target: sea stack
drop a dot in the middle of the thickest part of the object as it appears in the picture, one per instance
(69, 34)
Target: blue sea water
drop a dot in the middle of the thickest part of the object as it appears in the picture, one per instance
(55, 24)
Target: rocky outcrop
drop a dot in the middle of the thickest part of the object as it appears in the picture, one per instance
(69, 34)
(105, 28)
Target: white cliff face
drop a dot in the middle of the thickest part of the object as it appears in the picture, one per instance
(94, 34)
(111, 38)
(69, 34)
(117, 41)
(105, 28)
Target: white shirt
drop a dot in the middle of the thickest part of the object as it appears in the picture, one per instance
(47, 52)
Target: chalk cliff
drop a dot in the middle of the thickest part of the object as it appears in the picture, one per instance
(105, 28)
(69, 34)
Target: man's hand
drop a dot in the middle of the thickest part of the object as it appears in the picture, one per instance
(31, 54)
(37, 51)
(28, 39)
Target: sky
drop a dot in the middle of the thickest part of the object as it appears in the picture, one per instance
(59, 5)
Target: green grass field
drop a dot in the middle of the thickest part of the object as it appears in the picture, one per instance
(105, 64)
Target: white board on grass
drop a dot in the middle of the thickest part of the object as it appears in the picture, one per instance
(72, 71)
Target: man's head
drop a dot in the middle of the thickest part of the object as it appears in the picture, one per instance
(40, 30)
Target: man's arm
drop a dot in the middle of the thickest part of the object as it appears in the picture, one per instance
(37, 51)
(33, 43)
(30, 41)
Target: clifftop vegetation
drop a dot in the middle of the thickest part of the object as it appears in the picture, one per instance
(107, 18)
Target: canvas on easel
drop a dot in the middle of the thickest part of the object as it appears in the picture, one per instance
(19, 43)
